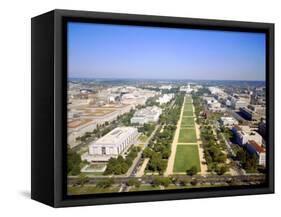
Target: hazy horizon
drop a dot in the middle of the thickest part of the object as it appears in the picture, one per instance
(105, 51)
(159, 79)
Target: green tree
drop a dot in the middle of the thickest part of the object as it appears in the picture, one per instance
(184, 181)
(164, 181)
(73, 163)
(82, 179)
(133, 182)
(192, 171)
(221, 169)
(193, 182)
(106, 183)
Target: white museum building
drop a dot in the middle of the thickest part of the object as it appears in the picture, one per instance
(114, 143)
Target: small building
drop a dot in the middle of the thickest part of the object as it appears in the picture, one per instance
(166, 87)
(114, 143)
(249, 114)
(240, 101)
(218, 93)
(77, 128)
(213, 104)
(165, 98)
(228, 121)
(146, 115)
(259, 109)
(244, 133)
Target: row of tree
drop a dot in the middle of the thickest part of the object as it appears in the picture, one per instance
(215, 158)
(159, 148)
(73, 163)
(248, 161)
(147, 129)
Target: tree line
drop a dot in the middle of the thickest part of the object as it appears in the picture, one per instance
(159, 147)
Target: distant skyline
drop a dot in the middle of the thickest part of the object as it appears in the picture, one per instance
(105, 51)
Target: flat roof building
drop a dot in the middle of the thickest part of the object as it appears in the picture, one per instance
(146, 115)
(244, 133)
(165, 98)
(114, 143)
(77, 128)
(228, 121)
(213, 104)
(249, 114)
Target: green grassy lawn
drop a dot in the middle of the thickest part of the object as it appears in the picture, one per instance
(187, 122)
(188, 100)
(93, 173)
(187, 113)
(186, 157)
(96, 166)
(188, 107)
(90, 189)
(145, 188)
(187, 135)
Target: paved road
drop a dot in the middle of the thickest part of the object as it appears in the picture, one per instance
(200, 179)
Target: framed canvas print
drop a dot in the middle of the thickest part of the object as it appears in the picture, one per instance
(134, 108)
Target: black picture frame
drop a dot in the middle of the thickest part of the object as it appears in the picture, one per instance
(49, 115)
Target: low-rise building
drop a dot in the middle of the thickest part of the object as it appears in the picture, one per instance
(166, 87)
(249, 114)
(228, 121)
(239, 103)
(133, 99)
(244, 133)
(86, 119)
(77, 128)
(146, 115)
(218, 93)
(165, 98)
(114, 143)
(259, 109)
(213, 104)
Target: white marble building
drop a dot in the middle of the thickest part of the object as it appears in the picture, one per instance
(115, 143)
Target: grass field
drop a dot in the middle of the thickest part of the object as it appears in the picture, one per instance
(187, 135)
(90, 189)
(187, 122)
(188, 100)
(145, 188)
(187, 156)
(188, 107)
(187, 113)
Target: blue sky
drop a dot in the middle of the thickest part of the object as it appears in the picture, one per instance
(135, 52)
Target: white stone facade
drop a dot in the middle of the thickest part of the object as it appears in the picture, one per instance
(228, 121)
(146, 115)
(112, 144)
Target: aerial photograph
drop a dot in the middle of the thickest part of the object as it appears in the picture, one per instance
(159, 109)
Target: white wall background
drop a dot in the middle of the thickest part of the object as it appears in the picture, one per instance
(15, 106)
